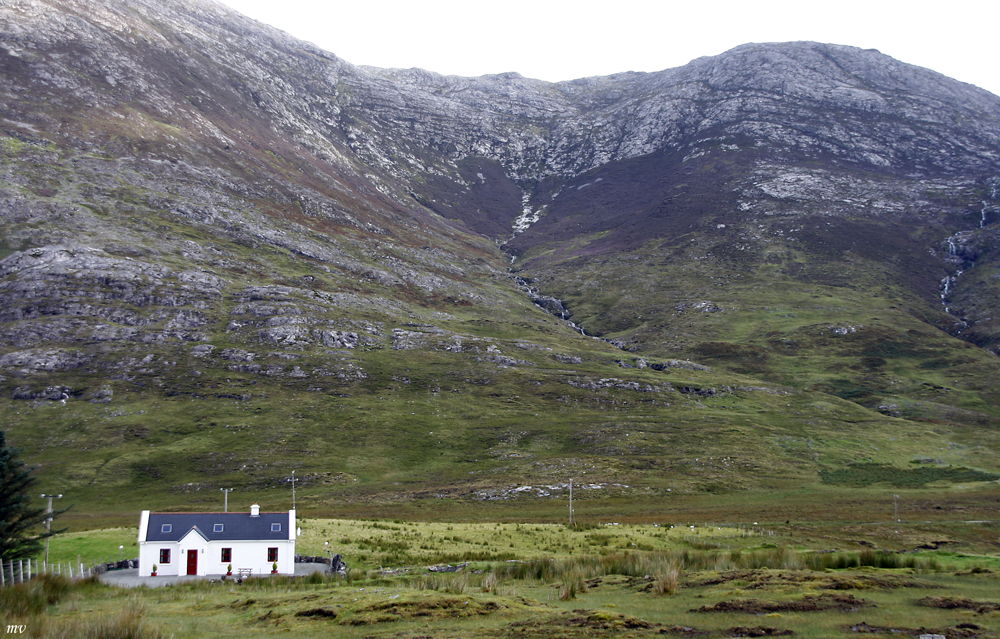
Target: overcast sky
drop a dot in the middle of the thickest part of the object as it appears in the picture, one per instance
(559, 40)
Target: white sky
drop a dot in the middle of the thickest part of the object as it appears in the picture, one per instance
(561, 40)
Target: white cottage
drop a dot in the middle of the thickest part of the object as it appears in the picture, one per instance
(207, 543)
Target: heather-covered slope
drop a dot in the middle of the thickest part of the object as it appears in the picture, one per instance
(228, 255)
(824, 192)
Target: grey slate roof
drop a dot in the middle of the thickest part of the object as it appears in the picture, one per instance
(236, 526)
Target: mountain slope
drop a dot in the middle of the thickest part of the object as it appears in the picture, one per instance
(228, 255)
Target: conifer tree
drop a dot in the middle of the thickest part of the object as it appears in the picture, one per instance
(21, 532)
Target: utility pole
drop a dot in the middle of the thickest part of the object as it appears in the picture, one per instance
(895, 515)
(570, 501)
(226, 491)
(48, 523)
(293, 490)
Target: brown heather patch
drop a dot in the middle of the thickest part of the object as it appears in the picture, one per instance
(427, 608)
(809, 603)
(757, 631)
(766, 579)
(959, 631)
(585, 623)
(959, 603)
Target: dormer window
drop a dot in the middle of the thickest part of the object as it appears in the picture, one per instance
(165, 528)
(275, 527)
(217, 528)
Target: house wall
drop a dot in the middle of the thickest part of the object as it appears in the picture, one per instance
(149, 554)
(193, 541)
(246, 554)
(253, 555)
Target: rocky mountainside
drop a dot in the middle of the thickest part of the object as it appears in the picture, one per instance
(230, 248)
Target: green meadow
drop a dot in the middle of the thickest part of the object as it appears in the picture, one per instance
(553, 580)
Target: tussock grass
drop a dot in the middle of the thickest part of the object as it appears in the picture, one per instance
(573, 583)
(33, 597)
(871, 558)
(665, 583)
(666, 567)
(129, 622)
(456, 583)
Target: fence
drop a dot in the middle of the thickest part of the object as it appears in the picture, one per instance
(21, 570)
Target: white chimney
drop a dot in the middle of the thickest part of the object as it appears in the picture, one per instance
(255, 511)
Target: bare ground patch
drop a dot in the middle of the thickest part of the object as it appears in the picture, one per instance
(809, 603)
(763, 579)
(959, 603)
(757, 631)
(589, 623)
(961, 631)
(431, 608)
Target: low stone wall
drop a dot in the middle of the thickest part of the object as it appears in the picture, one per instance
(335, 563)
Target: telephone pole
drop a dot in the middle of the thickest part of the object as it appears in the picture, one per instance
(48, 523)
(226, 491)
(895, 515)
(571, 501)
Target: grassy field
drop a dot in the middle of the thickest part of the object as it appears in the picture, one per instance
(963, 522)
(811, 565)
(587, 581)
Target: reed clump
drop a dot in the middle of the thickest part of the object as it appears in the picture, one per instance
(129, 622)
(456, 583)
(665, 583)
(34, 596)
(573, 583)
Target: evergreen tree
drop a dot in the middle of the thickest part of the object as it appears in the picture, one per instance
(21, 523)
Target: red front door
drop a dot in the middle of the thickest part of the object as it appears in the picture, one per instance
(192, 562)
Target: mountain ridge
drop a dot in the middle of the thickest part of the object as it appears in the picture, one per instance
(221, 243)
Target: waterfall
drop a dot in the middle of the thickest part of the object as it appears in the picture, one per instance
(523, 221)
(527, 217)
(946, 284)
(964, 260)
(993, 196)
(953, 257)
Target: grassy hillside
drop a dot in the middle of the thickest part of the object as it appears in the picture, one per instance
(852, 327)
(428, 425)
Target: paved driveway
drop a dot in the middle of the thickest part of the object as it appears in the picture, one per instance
(130, 578)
